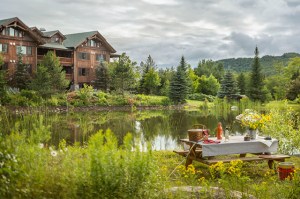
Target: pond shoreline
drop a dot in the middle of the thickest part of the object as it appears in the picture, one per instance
(65, 109)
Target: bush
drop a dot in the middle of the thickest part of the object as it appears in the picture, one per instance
(201, 97)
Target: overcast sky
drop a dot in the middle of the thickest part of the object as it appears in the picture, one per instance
(168, 29)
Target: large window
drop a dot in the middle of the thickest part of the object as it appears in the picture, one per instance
(83, 71)
(12, 32)
(3, 48)
(85, 56)
(25, 50)
(100, 57)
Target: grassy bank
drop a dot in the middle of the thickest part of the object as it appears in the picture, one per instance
(103, 169)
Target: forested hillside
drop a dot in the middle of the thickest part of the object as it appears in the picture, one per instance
(267, 63)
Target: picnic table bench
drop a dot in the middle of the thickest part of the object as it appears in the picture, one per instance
(210, 153)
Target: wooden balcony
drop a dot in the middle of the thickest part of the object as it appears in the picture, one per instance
(63, 60)
(69, 77)
(66, 60)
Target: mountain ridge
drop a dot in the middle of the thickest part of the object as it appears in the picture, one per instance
(267, 62)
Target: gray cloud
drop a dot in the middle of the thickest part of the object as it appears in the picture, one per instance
(168, 29)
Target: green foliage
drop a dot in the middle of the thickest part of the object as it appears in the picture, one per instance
(208, 85)
(201, 97)
(21, 77)
(41, 82)
(102, 77)
(85, 94)
(123, 76)
(267, 62)
(241, 83)
(228, 86)
(256, 86)
(165, 79)
(209, 67)
(179, 84)
(3, 93)
(54, 77)
(284, 125)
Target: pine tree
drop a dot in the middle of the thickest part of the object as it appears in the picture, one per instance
(21, 77)
(179, 84)
(228, 86)
(3, 93)
(41, 83)
(50, 77)
(58, 79)
(242, 83)
(146, 67)
(102, 77)
(256, 86)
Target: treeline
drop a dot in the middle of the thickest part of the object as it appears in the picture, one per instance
(267, 62)
(123, 76)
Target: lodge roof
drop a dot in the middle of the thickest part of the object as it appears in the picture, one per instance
(51, 33)
(16, 22)
(74, 40)
(54, 46)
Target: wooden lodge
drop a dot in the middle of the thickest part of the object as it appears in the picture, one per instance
(79, 53)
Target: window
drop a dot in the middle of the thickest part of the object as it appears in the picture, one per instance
(100, 57)
(3, 48)
(25, 50)
(85, 56)
(68, 69)
(83, 71)
(4, 66)
(55, 39)
(93, 43)
(12, 32)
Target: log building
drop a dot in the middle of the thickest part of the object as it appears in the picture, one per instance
(79, 53)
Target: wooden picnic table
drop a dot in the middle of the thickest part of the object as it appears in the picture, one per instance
(209, 153)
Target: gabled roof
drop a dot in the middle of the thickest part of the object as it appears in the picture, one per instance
(51, 33)
(14, 22)
(74, 40)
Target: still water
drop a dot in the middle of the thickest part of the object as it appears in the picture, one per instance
(162, 128)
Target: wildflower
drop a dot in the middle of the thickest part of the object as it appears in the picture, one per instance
(41, 145)
(53, 153)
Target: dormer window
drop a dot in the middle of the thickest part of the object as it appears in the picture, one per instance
(55, 40)
(93, 43)
(12, 32)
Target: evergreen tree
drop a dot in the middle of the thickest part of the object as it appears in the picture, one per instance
(257, 91)
(102, 77)
(58, 79)
(41, 83)
(21, 77)
(123, 77)
(50, 77)
(3, 93)
(294, 90)
(242, 83)
(179, 84)
(228, 86)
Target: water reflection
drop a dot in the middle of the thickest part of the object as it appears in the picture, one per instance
(162, 129)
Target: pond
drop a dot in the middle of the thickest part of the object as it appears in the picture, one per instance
(162, 128)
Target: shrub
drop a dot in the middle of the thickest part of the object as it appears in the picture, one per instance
(201, 97)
